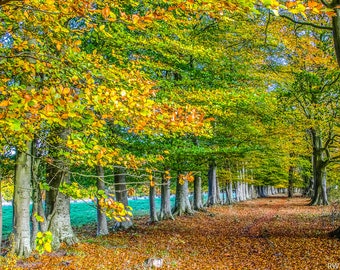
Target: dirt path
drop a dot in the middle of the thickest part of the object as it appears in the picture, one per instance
(272, 233)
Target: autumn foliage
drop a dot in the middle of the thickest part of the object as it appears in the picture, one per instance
(218, 94)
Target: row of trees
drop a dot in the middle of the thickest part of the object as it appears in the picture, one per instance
(186, 90)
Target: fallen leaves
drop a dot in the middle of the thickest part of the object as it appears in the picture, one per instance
(272, 233)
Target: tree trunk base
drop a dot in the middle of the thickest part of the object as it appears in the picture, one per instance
(335, 233)
(165, 216)
(180, 212)
(201, 209)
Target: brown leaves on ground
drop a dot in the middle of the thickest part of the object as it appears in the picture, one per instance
(271, 233)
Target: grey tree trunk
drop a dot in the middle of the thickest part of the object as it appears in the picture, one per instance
(319, 171)
(336, 32)
(120, 186)
(165, 211)
(243, 191)
(238, 191)
(37, 208)
(121, 196)
(336, 37)
(153, 212)
(213, 190)
(253, 192)
(57, 209)
(320, 191)
(102, 228)
(198, 204)
(182, 203)
(291, 182)
(21, 206)
(248, 197)
(218, 192)
(229, 193)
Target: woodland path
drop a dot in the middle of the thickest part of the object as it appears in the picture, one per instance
(270, 233)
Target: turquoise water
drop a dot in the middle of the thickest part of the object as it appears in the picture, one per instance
(84, 212)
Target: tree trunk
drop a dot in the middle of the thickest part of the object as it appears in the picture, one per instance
(335, 233)
(230, 195)
(218, 192)
(238, 191)
(121, 196)
(336, 34)
(253, 192)
(21, 206)
(37, 207)
(290, 182)
(120, 186)
(213, 189)
(102, 228)
(319, 171)
(198, 204)
(153, 212)
(248, 197)
(165, 211)
(320, 191)
(57, 209)
(262, 192)
(243, 191)
(182, 203)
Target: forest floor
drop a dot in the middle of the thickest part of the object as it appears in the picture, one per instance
(270, 233)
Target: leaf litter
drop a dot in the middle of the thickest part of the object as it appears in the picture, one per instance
(269, 233)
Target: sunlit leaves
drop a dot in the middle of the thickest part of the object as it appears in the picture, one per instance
(43, 242)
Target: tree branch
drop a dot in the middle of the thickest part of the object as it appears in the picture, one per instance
(325, 3)
(4, 2)
(307, 23)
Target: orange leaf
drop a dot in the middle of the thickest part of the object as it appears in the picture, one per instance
(106, 12)
(4, 103)
(312, 4)
(290, 4)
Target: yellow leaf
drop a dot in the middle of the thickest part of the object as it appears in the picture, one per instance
(48, 247)
(118, 219)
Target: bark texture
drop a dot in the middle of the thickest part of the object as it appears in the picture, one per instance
(165, 211)
(21, 206)
(197, 203)
(57, 209)
(182, 203)
(102, 228)
(153, 212)
(336, 34)
(229, 193)
(121, 196)
(213, 189)
(290, 182)
(320, 163)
